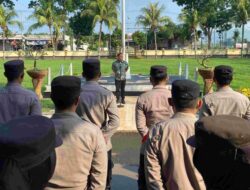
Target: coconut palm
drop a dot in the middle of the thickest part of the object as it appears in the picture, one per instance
(104, 12)
(44, 14)
(7, 19)
(190, 18)
(152, 18)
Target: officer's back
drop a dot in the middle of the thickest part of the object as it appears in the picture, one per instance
(225, 101)
(14, 99)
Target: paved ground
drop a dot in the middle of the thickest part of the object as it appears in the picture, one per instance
(124, 177)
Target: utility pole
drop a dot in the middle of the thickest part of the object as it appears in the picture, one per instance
(123, 29)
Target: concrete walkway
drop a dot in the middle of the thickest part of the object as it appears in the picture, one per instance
(124, 177)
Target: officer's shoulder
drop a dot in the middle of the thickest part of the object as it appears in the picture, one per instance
(105, 90)
(89, 128)
(27, 92)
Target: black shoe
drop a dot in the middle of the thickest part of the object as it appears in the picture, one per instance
(123, 102)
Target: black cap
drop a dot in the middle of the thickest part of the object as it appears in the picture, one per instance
(230, 128)
(158, 71)
(14, 68)
(28, 140)
(63, 87)
(185, 90)
(223, 72)
(91, 66)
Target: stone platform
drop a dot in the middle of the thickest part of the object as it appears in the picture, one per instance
(136, 85)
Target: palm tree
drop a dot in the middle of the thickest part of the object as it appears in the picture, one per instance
(7, 19)
(104, 12)
(190, 18)
(152, 18)
(44, 14)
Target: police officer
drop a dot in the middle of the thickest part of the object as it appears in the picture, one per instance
(14, 99)
(225, 101)
(222, 152)
(151, 108)
(168, 158)
(98, 106)
(82, 159)
(27, 159)
(120, 67)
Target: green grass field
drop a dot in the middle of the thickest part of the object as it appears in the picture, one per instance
(139, 66)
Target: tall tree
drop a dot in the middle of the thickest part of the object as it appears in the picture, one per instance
(7, 3)
(190, 18)
(152, 18)
(241, 9)
(104, 12)
(236, 36)
(7, 18)
(44, 14)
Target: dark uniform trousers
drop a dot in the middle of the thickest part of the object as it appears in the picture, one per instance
(109, 174)
(141, 174)
(120, 89)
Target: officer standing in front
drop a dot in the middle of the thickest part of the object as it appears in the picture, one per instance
(151, 108)
(120, 67)
(225, 101)
(16, 101)
(168, 157)
(98, 106)
(82, 159)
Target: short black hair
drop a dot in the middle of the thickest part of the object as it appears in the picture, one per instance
(65, 90)
(91, 68)
(223, 74)
(64, 102)
(157, 80)
(180, 105)
(12, 77)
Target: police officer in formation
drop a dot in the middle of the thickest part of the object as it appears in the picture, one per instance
(168, 158)
(225, 101)
(82, 159)
(98, 106)
(16, 101)
(151, 108)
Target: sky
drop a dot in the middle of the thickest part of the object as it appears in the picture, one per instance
(133, 9)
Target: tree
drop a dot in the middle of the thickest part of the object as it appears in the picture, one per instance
(44, 13)
(7, 3)
(116, 38)
(190, 18)
(236, 36)
(104, 12)
(152, 17)
(7, 18)
(241, 9)
(81, 25)
(139, 38)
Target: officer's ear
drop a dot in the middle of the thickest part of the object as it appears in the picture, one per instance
(199, 104)
(22, 76)
(77, 100)
(170, 102)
